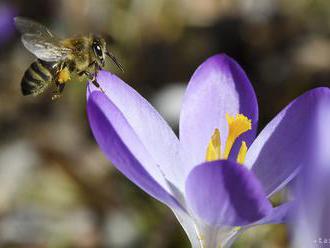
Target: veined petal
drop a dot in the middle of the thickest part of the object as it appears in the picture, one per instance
(218, 87)
(288, 141)
(151, 129)
(225, 193)
(122, 146)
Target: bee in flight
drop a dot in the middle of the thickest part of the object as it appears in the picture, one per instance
(59, 58)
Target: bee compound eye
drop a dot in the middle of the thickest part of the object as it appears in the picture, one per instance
(98, 50)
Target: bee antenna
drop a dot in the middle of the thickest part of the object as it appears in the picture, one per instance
(114, 59)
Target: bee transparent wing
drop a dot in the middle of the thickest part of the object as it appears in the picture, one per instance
(40, 41)
(27, 26)
(45, 49)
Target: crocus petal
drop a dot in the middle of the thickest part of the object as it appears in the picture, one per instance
(203, 235)
(225, 193)
(288, 141)
(7, 28)
(115, 137)
(218, 86)
(278, 215)
(152, 130)
(189, 226)
(311, 224)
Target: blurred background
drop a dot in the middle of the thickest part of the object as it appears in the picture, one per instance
(56, 187)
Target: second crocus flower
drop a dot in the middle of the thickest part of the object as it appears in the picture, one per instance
(217, 176)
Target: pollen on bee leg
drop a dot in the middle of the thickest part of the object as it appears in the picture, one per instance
(213, 151)
(237, 125)
(64, 75)
(242, 153)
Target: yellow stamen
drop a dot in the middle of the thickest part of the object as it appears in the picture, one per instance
(213, 151)
(237, 126)
(64, 75)
(242, 153)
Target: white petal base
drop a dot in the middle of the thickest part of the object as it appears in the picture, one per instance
(205, 236)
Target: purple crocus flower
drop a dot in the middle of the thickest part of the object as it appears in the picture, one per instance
(217, 176)
(7, 28)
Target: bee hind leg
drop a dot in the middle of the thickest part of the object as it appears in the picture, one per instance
(58, 91)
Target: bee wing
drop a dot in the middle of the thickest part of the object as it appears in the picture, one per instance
(45, 48)
(27, 26)
(40, 41)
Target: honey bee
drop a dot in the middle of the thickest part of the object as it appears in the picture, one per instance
(58, 58)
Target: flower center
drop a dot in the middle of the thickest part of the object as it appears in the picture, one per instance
(237, 125)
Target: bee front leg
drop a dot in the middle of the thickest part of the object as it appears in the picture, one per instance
(97, 85)
(92, 78)
(94, 81)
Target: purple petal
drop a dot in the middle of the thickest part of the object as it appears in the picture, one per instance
(189, 226)
(218, 86)
(288, 141)
(151, 129)
(115, 137)
(311, 222)
(311, 219)
(278, 215)
(225, 193)
(7, 27)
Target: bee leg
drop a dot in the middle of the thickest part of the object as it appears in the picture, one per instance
(92, 63)
(94, 81)
(56, 96)
(97, 85)
(58, 91)
(92, 78)
(60, 88)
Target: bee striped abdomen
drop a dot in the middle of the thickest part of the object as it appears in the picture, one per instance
(37, 77)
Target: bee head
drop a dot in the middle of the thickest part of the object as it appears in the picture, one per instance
(99, 50)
